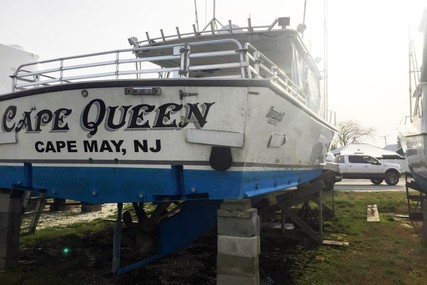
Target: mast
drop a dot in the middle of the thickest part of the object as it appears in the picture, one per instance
(410, 69)
(325, 56)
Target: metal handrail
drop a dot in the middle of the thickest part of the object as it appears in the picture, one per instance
(182, 61)
(29, 76)
(231, 29)
(261, 63)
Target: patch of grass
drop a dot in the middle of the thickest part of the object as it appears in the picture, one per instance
(388, 252)
(75, 229)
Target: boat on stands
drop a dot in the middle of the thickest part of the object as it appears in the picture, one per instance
(191, 119)
(230, 114)
(413, 129)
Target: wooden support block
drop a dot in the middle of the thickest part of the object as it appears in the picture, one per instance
(372, 213)
(10, 220)
(334, 242)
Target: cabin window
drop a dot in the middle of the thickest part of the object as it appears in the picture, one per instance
(297, 71)
(315, 100)
(418, 104)
(305, 76)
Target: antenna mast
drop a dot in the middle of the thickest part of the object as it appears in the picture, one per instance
(303, 26)
(213, 23)
(197, 17)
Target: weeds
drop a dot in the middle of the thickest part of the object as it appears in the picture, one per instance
(379, 253)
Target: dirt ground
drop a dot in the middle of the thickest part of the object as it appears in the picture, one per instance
(89, 260)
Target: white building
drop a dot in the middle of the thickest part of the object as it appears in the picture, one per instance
(11, 57)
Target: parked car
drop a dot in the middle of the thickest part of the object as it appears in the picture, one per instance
(359, 166)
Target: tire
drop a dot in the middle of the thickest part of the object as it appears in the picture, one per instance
(392, 178)
(328, 180)
(377, 181)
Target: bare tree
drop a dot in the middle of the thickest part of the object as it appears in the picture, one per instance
(351, 132)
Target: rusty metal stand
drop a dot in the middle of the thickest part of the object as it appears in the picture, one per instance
(33, 211)
(415, 202)
(305, 218)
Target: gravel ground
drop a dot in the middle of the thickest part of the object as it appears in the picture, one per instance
(73, 215)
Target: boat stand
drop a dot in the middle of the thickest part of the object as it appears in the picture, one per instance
(238, 243)
(415, 202)
(417, 209)
(163, 231)
(305, 218)
(33, 201)
(33, 211)
(12, 208)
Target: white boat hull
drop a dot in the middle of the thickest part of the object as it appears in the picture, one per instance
(416, 155)
(91, 142)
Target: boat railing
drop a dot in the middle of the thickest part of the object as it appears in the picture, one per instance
(225, 58)
(211, 29)
(118, 64)
(261, 66)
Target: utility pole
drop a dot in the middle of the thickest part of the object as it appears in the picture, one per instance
(385, 139)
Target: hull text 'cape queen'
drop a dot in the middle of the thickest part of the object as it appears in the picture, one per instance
(228, 114)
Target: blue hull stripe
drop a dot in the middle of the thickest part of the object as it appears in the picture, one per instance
(114, 185)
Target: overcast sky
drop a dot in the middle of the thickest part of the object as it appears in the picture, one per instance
(368, 40)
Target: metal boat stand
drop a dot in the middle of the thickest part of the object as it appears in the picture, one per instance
(306, 218)
(33, 200)
(417, 209)
(415, 202)
(173, 229)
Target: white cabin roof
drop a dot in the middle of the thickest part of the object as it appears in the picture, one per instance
(364, 148)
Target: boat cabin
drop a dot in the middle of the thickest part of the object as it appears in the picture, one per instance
(264, 52)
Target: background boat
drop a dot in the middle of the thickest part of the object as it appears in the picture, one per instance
(413, 129)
